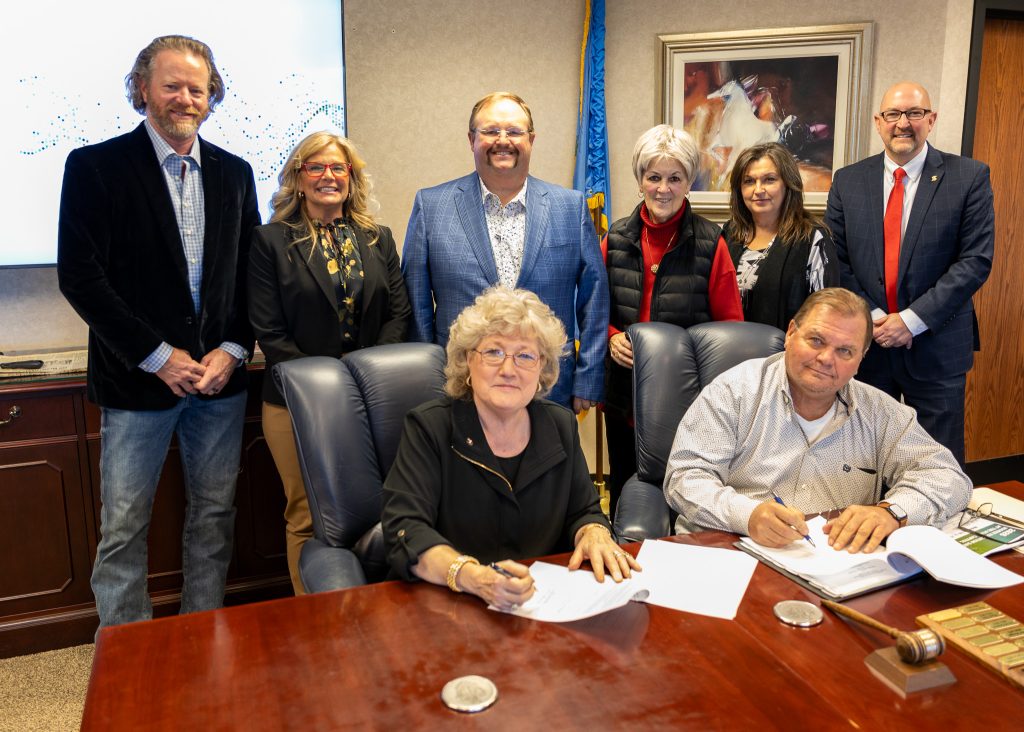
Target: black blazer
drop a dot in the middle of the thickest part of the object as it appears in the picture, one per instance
(292, 300)
(121, 265)
(446, 487)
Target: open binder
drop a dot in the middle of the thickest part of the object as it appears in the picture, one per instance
(909, 551)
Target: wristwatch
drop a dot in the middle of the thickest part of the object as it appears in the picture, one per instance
(895, 511)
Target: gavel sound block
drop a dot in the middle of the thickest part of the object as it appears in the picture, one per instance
(911, 665)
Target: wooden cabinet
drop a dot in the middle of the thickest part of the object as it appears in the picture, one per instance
(50, 517)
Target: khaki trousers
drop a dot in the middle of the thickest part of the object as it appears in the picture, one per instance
(277, 429)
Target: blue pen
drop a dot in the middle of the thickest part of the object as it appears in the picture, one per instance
(806, 536)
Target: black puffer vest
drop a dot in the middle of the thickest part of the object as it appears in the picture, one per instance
(680, 286)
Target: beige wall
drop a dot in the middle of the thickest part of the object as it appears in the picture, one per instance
(415, 68)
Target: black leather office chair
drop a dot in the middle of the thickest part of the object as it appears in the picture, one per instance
(348, 416)
(670, 367)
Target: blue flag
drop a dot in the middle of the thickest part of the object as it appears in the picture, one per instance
(591, 173)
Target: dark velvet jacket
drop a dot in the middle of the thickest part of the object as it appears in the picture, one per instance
(680, 287)
(446, 487)
(121, 264)
(293, 305)
(782, 286)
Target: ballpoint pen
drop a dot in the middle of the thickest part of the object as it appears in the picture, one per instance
(501, 570)
(806, 536)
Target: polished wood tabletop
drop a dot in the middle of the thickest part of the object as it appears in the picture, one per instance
(378, 657)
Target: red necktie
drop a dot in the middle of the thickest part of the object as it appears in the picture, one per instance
(893, 223)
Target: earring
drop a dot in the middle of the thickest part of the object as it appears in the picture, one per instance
(538, 387)
(469, 381)
(301, 194)
(640, 193)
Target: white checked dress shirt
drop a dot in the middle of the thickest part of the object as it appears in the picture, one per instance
(740, 440)
(184, 178)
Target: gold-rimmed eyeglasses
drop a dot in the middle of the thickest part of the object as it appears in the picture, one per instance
(496, 357)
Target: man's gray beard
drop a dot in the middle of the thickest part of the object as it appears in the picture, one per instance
(180, 130)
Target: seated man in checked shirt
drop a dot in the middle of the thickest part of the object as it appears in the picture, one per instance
(798, 425)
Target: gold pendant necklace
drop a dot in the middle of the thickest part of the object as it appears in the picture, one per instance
(645, 241)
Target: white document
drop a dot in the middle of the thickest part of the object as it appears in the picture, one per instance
(907, 551)
(695, 579)
(563, 596)
(838, 572)
(947, 560)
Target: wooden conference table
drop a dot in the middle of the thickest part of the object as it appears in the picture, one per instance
(378, 657)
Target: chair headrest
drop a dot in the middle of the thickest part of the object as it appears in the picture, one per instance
(670, 367)
(348, 415)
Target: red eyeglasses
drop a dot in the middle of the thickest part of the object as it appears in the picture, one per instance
(317, 170)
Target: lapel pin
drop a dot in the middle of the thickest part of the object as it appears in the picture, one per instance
(469, 441)
(934, 178)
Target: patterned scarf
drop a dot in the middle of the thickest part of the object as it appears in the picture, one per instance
(337, 244)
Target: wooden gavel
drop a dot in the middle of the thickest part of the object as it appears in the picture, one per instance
(915, 647)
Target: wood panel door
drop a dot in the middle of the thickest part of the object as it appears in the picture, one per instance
(995, 386)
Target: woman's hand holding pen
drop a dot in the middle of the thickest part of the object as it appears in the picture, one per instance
(774, 525)
(505, 584)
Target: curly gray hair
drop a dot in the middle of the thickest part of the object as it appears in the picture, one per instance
(502, 311)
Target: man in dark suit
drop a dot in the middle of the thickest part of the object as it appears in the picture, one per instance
(153, 243)
(914, 229)
(501, 225)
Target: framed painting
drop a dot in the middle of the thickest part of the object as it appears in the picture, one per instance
(807, 88)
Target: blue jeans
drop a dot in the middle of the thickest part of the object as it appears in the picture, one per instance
(133, 449)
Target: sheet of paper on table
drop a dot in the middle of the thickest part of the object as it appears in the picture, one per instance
(563, 596)
(695, 579)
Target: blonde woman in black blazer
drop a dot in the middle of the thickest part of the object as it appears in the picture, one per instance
(324, 280)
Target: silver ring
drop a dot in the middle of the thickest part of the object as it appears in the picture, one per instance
(619, 554)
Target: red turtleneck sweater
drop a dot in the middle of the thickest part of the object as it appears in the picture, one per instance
(723, 293)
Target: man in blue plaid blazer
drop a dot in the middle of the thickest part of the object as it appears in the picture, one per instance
(924, 341)
(500, 225)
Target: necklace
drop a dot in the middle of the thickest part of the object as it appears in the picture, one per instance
(648, 252)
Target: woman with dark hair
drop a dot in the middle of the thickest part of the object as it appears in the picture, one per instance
(324, 280)
(781, 252)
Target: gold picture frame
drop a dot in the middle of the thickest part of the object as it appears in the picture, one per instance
(808, 87)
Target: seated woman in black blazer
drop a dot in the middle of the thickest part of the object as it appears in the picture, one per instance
(781, 252)
(494, 472)
(324, 280)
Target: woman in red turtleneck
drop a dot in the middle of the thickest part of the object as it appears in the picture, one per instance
(664, 263)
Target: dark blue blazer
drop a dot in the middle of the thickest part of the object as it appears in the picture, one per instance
(447, 261)
(946, 254)
(121, 264)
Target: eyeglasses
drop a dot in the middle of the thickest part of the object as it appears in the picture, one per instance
(983, 521)
(914, 115)
(496, 357)
(317, 170)
(493, 133)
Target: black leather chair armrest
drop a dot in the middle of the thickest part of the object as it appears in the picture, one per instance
(324, 568)
(641, 512)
